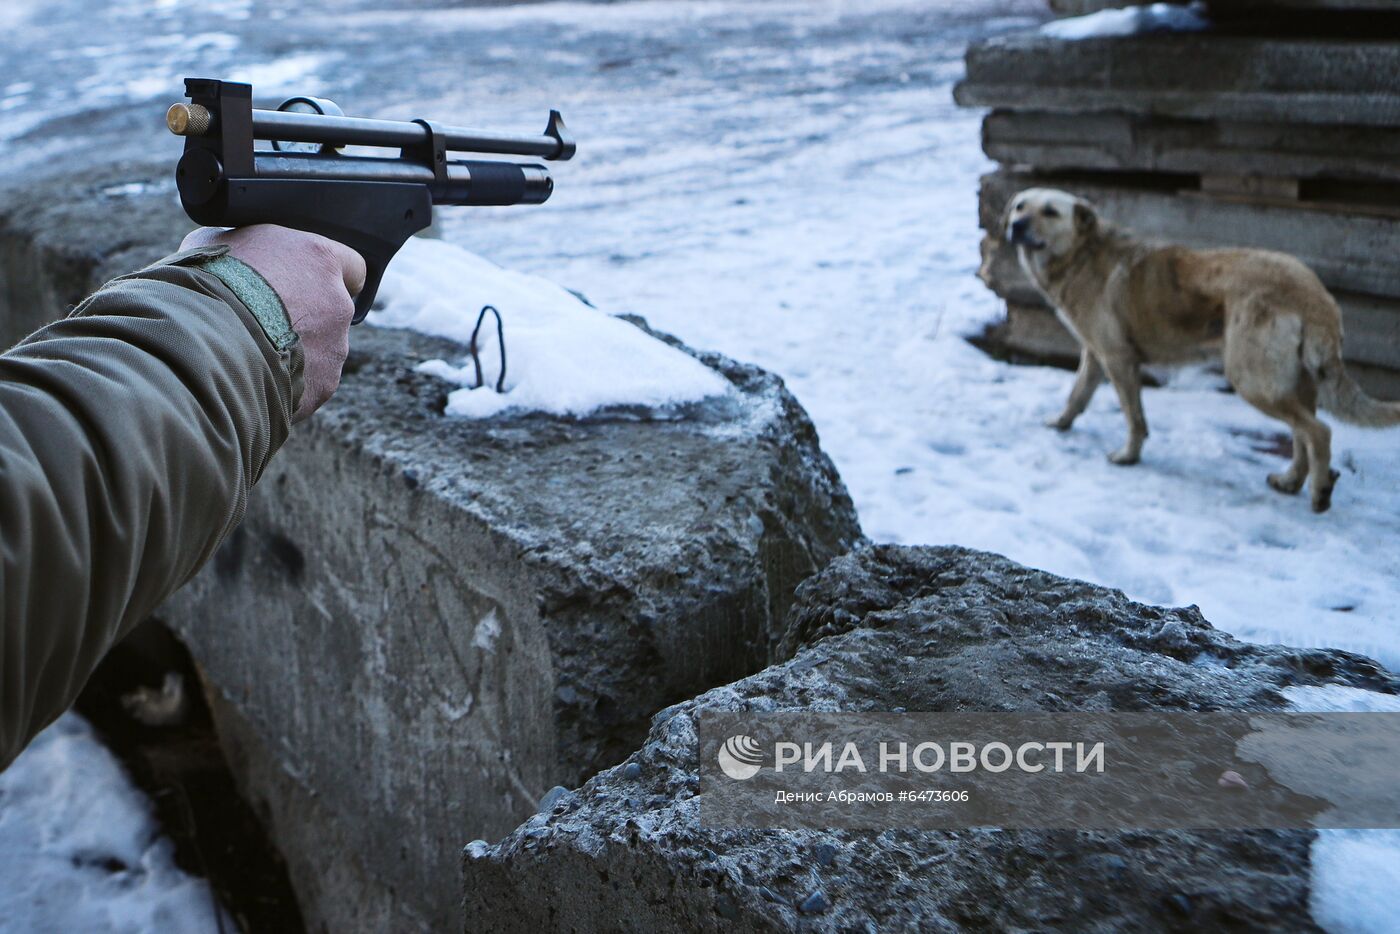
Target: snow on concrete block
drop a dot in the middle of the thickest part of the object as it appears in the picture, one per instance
(1131, 21)
(626, 853)
(563, 356)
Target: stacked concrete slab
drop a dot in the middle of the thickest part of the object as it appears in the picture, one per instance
(1278, 127)
(1083, 7)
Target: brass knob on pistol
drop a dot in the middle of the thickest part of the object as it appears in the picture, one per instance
(188, 119)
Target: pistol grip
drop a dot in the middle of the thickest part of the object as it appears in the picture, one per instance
(374, 271)
(374, 219)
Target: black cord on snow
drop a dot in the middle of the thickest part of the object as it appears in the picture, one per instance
(500, 341)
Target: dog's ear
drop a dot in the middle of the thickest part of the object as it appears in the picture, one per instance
(1086, 221)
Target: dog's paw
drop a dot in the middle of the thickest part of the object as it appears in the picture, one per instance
(1322, 497)
(1284, 483)
(1124, 457)
(1059, 423)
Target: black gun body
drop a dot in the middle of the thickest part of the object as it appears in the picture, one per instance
(468, 182)
(372, 204)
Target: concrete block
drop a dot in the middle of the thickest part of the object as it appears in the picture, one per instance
(1082, 7)
(1327, 81)
(56, 241)
(425, 623)
(1230, 7)
(1350, 252)
(1119, 142)
(1030, 334)
(892, 627)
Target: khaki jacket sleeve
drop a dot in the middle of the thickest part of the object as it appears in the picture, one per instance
(130, 434)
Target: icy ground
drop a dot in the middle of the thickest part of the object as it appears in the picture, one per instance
(786, 181)
(80, 849)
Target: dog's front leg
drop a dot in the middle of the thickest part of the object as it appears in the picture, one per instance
(1127, 380)
(1087, 380)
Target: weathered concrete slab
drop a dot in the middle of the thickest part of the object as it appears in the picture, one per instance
(1118, 142)
(921, 628)
(1033, 334)
(1196, 75)
(1350, 252)
(56, 236)
(1306, 6)
(1224, 139)
(1081, 7)
(475, 612)
(1348, 249)
(424, 623)
(1030, 334)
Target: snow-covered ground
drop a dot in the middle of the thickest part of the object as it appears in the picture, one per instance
(1355, 873)
(80, 849)
(788, 181)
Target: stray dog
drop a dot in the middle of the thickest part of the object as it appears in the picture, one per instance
(1130, 301)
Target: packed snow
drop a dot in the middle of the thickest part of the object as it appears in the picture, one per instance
(1131, 21)
(1336, 698)
(1355, 873)
(562, 355)
(80, 849)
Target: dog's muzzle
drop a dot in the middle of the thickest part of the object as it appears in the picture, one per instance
(1020, 234)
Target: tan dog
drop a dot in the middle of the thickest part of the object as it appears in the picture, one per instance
(1131, 302)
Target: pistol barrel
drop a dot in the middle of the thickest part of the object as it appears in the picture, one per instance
(329, 130)
(469, 182)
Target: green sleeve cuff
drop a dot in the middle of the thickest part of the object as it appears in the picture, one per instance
(253, 290)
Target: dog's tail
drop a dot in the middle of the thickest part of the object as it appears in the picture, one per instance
(1338, 393)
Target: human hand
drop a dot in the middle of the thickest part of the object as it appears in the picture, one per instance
(316, 278)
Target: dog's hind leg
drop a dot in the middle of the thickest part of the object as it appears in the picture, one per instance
(1312, 450)
(1292, 479)
(1127, 381)
(1086, 381)
(1318, 442)
(1264, 365)
(1322, 479)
